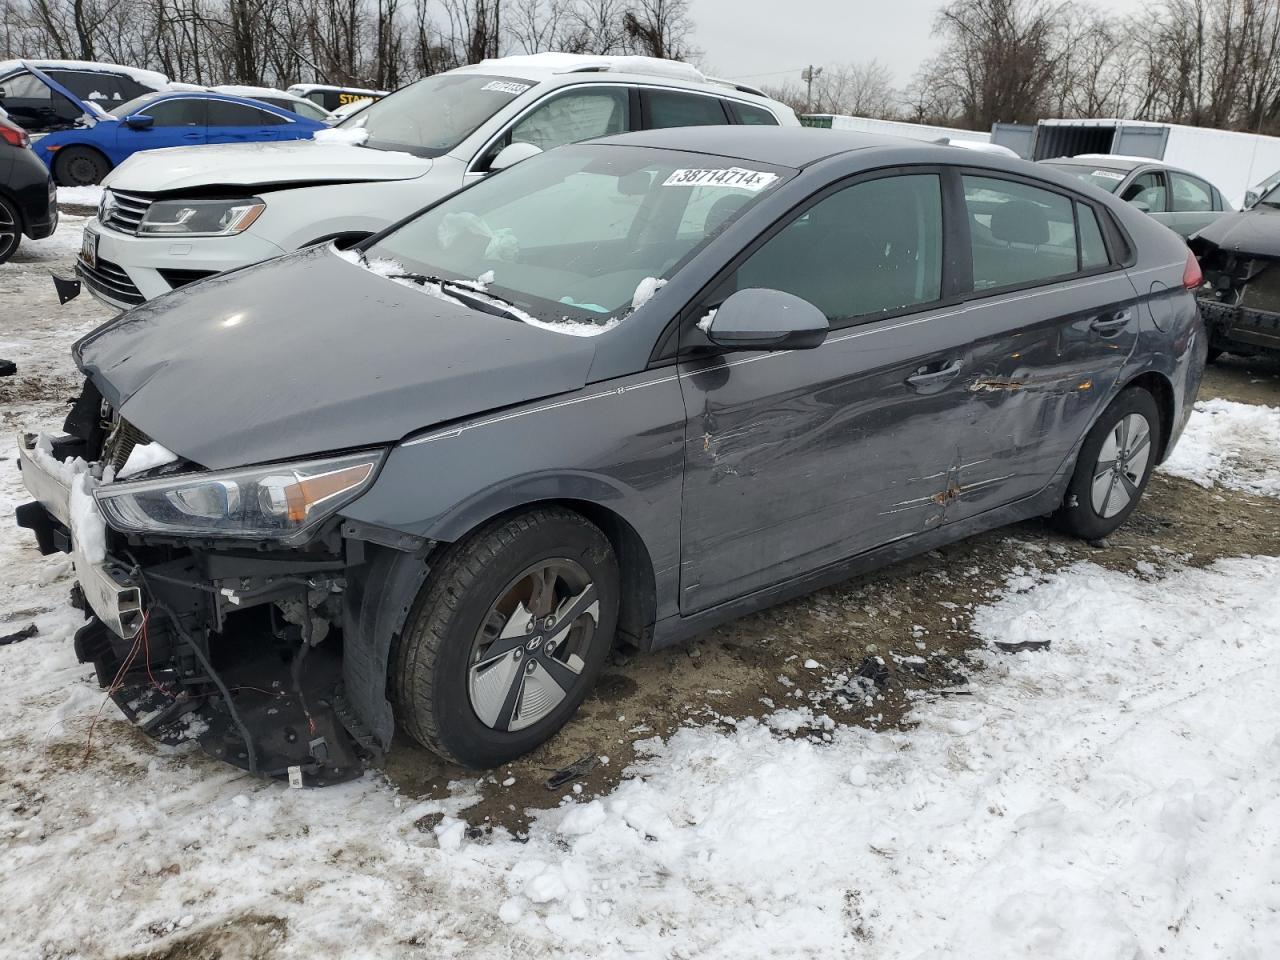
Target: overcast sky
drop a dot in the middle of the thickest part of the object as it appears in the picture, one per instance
(742, 38)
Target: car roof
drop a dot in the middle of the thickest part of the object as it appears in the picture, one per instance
(197, 93)
(789, 146)
(583, 68)
(145, 78)
(1120, 162)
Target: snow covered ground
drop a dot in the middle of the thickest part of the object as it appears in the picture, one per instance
(1116, 796)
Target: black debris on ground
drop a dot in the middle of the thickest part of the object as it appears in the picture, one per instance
(574, 771)
(30, 630)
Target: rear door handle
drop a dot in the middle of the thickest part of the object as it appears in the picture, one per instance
(1111, 322)
(925, 380)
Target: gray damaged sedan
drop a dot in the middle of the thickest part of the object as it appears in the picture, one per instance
(619, 393)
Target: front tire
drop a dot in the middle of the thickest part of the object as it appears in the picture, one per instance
(10, 230)
(507, 637)
(80, 166)
(1113, 468)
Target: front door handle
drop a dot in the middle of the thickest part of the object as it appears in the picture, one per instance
(925, 380)
(1111, 322)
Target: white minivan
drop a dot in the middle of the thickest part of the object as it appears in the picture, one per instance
(169, 217)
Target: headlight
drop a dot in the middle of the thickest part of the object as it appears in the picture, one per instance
(276, 502)
(200, 218)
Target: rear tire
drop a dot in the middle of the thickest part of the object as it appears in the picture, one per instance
(10, 229)
(507, 637)
(1113, 468)
(80, 166)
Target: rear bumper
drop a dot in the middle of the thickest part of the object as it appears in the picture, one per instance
(1235, 326)
(107, 588)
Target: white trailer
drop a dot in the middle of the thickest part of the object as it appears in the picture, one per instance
(1232, 161)
(893, 128)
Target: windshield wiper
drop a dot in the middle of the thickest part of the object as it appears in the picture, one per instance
(483, 301)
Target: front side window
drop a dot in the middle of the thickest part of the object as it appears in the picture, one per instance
(431, 117)
(569, 118)
(1190, 194)
(575, 237)
(871, 248)
(1146, 192)
(1019, 234)
(670, 108)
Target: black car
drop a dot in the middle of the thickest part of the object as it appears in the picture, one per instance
(1240, 300)
(28, 197)
(618, 393)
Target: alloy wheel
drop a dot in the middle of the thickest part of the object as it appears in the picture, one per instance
(10, 232)
(531, 648)
(1122, 463)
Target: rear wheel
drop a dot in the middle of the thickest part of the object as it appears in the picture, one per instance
(10, 229)
(507, 638)
(1113, 468)
(80, 166)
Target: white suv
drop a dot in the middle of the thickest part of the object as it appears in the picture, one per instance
(169, 217)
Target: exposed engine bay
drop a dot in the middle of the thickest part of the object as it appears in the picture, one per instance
(238, 645)
(1240, 301)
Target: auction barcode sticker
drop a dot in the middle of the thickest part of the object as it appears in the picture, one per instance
(752, 180)
(1107, 174)
(506, 86)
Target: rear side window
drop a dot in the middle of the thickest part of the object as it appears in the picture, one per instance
(670, 108)
(1093, 249)
(1190, 194)
(754, 116)
(872, 248)
(177, 113)
(224, 113)
(1019, 234)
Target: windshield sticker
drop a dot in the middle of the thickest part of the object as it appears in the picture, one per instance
(506, 86)
(753, 180)
(1107, 175)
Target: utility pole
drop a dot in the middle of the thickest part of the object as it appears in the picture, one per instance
(808, 75)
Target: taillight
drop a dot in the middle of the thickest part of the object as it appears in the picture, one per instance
(1192, 276)
(14, 136)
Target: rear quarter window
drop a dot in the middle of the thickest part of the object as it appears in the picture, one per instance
(750, 115)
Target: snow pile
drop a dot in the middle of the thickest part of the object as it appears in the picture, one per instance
(80, 196)
(1234, 445)
(1116, 796)
(645, 290)
(144, 457)
(350, 135)
(88, 528)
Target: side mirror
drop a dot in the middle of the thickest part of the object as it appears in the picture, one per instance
(512, 154)
(758, 319)
(139, 121)
(1250, 197)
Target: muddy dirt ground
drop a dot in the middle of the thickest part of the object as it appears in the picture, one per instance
(912, 616)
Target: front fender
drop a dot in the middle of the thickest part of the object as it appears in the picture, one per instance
(619, 447)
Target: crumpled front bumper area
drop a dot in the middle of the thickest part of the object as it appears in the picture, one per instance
(1240, 303)
(220, 646)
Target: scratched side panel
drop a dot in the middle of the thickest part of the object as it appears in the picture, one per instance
(616, 444)
(796, 459)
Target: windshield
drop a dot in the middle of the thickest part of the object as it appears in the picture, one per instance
(1267, 191)
(580, 236)
(133, 106)
(1105, 177)
(432, 116)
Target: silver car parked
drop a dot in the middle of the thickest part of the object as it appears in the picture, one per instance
(1182, 201)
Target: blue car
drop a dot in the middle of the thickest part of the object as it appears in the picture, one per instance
(87, 153)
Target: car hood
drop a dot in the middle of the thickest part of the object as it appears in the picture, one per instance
(1255, 231)
(261, 164)
(312, 353)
